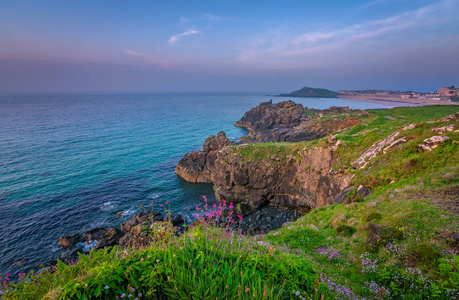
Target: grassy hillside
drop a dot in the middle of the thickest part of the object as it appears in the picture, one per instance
(399, 242)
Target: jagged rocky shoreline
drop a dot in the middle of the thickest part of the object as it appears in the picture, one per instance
(267, 192)
(301, 180)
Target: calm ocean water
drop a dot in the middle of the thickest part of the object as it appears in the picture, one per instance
(71, 162)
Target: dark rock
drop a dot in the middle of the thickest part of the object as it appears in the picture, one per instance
(70, 254)
(69, 240)
(214, 143)
(362, 191)
(340, 197)
(277, 179)
(110, 238)
(93, 234)
(142, 217)
(177, 219)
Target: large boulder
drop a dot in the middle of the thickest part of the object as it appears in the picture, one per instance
(110, 238)
(69, 240)
(142, 217)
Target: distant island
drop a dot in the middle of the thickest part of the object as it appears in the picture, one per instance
(312, 92)
(443, 95)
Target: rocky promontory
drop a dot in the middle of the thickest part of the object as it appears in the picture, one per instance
(288, 121)
(283, 175)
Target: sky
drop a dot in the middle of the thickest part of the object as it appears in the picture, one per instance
(111, 46)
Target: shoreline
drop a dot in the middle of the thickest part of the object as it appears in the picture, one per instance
(413, 102)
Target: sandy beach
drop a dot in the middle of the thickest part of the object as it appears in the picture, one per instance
(396, 101)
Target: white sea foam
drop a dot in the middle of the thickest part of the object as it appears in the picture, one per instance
(107, 206)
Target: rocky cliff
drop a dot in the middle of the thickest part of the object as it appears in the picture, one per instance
(284, 175)
(302, 180)
(288, 121)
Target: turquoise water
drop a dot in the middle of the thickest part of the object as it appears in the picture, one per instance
(72, 162)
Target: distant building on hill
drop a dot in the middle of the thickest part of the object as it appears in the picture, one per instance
(451, 91)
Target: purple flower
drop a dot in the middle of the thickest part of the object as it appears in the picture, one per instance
(106, 287)
(123, 295)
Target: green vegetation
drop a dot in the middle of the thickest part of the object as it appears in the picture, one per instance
(311, 92)
(264, 151)
(206, 263)
(401, 241)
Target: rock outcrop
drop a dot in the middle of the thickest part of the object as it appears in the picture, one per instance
(134, 231)
(432, 143)
(378, 147)
(450, 118)
(301, 180)
(196, 166)
(444, 129)
(287, 122)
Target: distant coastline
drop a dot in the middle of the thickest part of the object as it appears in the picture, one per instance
(375, 96)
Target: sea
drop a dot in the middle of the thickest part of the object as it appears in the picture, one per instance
(69, 163)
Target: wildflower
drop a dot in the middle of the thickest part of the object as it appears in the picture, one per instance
(140, 295)
(106, 287)
(129, 296)
(123, 295)
(297, 293)
(86, 285)
(157, 260)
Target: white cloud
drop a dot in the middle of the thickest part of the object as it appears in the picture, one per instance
(175, 38)
(305, 48)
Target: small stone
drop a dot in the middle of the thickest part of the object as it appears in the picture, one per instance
(120, 213)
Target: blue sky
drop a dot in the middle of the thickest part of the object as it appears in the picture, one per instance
(225, 46)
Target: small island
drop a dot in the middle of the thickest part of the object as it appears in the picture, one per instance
(312, 92)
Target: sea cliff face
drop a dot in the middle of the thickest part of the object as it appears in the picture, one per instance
(260, 174)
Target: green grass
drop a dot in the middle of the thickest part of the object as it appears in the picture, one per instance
(402, 229)
(206, 263)
(410, 237)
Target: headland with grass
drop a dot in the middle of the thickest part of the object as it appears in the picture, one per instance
(378, 190)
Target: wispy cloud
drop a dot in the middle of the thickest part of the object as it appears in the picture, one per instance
(303, 48)
(372, 3)
(212, 17)
(153, 59)
(175, 38)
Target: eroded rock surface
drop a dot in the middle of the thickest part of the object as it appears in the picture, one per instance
(377, 147)
(287, 122)
(301, 180)
(432, 143)
(444, 129)
(196, 166)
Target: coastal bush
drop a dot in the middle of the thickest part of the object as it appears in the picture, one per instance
(206, 262)
(346, 230)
